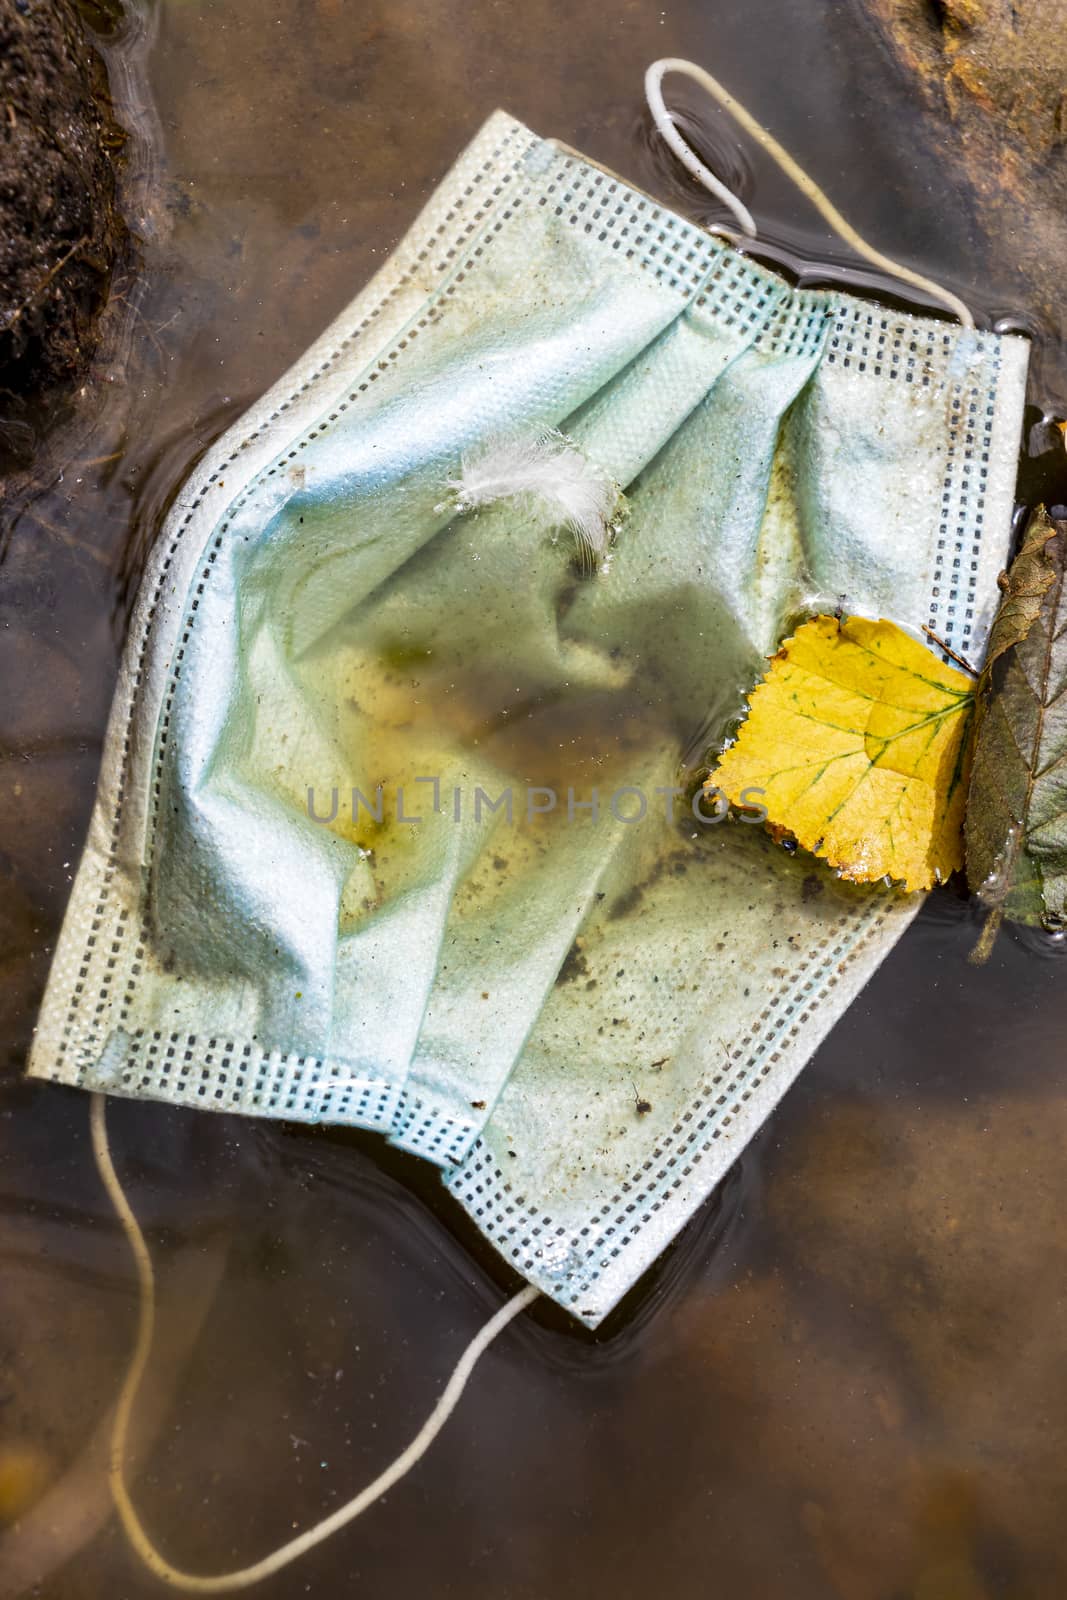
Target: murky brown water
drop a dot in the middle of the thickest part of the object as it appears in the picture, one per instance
(847, 1378)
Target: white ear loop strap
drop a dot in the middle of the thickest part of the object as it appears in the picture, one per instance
(245, 1577)
(811, 191)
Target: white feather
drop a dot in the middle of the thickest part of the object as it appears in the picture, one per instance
(547, 471)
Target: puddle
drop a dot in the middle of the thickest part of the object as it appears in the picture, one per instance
(845, 1378)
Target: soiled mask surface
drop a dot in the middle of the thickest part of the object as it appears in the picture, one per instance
(579, 1008)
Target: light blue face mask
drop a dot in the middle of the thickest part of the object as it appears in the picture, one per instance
(372, 584)
(501, 554)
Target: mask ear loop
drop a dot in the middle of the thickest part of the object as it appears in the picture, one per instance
(808, 188)
(245, 1577)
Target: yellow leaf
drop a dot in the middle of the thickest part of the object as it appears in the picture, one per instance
(860, 741)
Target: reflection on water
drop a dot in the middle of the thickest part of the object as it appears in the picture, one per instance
(844, 1380)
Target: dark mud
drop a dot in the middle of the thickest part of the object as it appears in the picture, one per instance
(61, 232)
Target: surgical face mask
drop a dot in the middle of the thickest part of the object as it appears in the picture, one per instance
(501, 555)
(368, 605)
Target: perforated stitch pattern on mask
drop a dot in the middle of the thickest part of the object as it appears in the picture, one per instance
(742, 297)
(428, 1132)
(514, 1228)
(797, 326)
(877, 346)
(226, 1077)
(740, 292)
(901, 348)
(677, 252)
(963, 512)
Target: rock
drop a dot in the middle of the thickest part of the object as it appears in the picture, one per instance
(60, 231)
(997, 74)
(1002, 67)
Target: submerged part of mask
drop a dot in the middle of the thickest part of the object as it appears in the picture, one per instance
(581, 1018)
